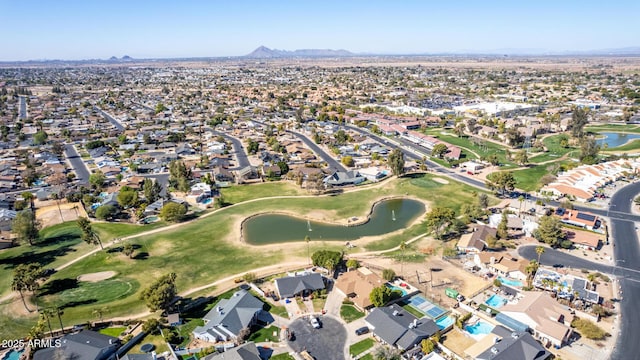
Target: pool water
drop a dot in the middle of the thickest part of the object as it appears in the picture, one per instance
(207, 201)
(510, 282)
(393, 288)
(444, 322)
(496, 301)
(13, 355)
(479, 328)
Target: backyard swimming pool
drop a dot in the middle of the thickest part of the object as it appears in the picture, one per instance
(510, 282)
(496, 301)
(13, 355)
(403, 291)
(479, 328)
(444, 322)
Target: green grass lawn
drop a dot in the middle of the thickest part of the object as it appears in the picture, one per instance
(367, 357)
(283, 356)
(239, 193)
(199, 252)
(112, 331)
(410, 309)
(361, 346)
(264, 334)
(529, 179)
(157, 340)
(487, 147)
(631, 128)
(349, 313)
(318, 303)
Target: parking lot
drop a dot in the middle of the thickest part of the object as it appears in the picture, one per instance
(326, 343)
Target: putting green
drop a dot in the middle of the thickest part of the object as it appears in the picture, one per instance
(94, 292)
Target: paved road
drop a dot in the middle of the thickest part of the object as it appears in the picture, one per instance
(78, 165)
(22, 112)
(238, 151)
(333, 164)
(118, 125)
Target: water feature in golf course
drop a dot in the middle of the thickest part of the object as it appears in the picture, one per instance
(387, 216)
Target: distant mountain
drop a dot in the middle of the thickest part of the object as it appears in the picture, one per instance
(264, 52)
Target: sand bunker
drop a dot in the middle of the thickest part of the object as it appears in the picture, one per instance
(440, 180)
(95, 277)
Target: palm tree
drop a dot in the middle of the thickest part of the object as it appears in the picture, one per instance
(403, 247)
(47, 314)
(540, 250)
(18, 285)
(307, 239)
(99, 312)
(521, 200)
(56, 197)
(59, 312)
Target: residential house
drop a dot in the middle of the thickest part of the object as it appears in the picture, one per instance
(504, 344)
(230, 316)
(581, 219)
(147, 356)
(6, 219)
(222, 174)
(372, 174)
(110, 199)
(341, 178)
(199, 191)
(476, 240)
(395, 326)
(185, 149)
(500, 264)
(246, 351)
(585, 240)
(85, 345)
(291, 286)
(549, 320)
(358, 284)
(271, 169)
(247, 173)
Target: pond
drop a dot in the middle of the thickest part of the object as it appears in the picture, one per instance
(615, 139)
(387, 216)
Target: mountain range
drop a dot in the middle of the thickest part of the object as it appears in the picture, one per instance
(264, 52)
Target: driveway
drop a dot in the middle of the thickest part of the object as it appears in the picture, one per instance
(326, 343)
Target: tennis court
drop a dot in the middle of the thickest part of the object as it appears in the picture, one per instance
(425, 306)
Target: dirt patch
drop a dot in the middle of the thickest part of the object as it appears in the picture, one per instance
(440, 180)
(95, 277)
(49, 214)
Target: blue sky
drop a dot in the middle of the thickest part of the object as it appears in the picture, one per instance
(69, 29)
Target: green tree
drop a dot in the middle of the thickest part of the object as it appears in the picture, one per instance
(503, 228)
(26, 227)
(380, 296)
(501, 181)
(127, 197)
(161, 293)
(252, 147)
(97, 179)
(549, 231)
(439, 220)
(589, 150)
(25, 278)
(539, 250)
(173, 212)
(521, 157)
(40, 138)
(396, 162)
(579, 118)
(88, 234)
(483, 200)
(388, 274)
(128, 249)
(427, 346)
(439, 150)
(563, 140)
(326, 258)
(151, 190)
(353, 264)
(106, 212)
(347, 161)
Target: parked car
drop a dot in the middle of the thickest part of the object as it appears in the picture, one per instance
(362, 330)
(314, 322)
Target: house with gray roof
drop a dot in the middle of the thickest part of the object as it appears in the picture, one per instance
(6, 219)
(395, 326)
(247, 351)
(139, 357)
(340, 178)
(509, 345)
(291, 286)
(85, 345)
(230, 316)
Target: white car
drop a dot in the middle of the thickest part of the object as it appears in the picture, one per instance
(314, 322)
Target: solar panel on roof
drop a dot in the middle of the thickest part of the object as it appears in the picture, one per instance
(586, 217)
